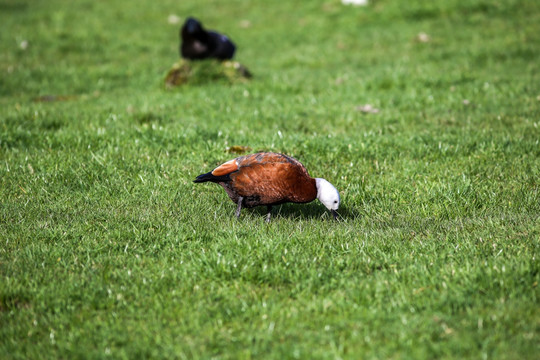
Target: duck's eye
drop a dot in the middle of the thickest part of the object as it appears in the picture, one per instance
(335, 201)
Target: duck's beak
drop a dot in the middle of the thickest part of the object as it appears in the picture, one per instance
(334, 213)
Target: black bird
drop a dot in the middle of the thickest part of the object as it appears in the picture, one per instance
(198, 43)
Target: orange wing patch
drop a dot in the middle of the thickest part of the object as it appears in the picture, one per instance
(225, 168)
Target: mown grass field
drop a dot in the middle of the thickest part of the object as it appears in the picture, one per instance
(108, 250)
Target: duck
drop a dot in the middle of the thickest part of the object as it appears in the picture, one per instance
(199, 44)
(269, 179)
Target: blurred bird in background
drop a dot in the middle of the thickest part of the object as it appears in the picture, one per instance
(199, 44)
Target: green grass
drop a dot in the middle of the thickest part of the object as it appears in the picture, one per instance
(109, 250)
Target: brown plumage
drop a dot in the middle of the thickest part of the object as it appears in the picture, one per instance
(267, 179)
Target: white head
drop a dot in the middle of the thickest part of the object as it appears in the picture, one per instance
(328, 195)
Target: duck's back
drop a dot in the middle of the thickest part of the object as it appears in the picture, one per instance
(270, 178)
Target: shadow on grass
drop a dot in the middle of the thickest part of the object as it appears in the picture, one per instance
(313, 210)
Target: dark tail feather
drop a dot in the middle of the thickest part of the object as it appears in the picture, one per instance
(209, 177)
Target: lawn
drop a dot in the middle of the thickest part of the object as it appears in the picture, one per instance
(109, 250)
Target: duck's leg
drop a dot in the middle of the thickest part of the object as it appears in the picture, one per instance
(269, 207)
(240, 199)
